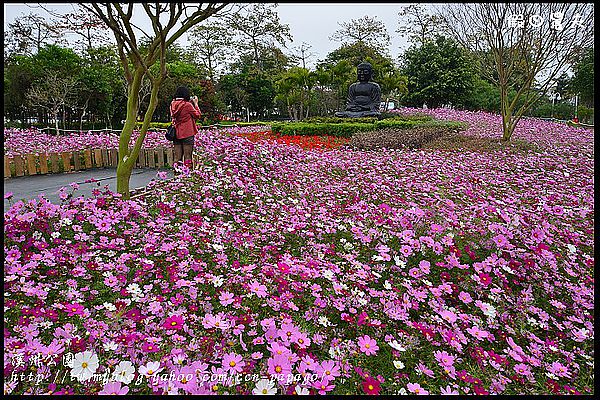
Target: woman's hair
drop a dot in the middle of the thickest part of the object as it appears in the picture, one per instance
(182, 92)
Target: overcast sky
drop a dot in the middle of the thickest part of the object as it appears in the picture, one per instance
(310, 23)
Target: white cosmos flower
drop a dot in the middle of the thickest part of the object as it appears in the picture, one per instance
(387, 285)
(301, 391)
(396, 345)
(124, 372)
(84, 365)
(218, 281)
(109, 306)
(264, 386)
(398, 261)
(150, 369)
(108, 346)
(399, 364)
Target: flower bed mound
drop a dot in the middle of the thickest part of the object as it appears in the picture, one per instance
(343, 272)
(392, 138)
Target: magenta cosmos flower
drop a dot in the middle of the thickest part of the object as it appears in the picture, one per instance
(173, 322)
(367, 345)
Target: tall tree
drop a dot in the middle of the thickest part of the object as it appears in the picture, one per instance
(169, 22)
(52, 93)
(536, 39)
(29, 33)
(210, 46)
(439, 72)
(582, 82)
(418, 23)
(367, 30)
(258, 26)
(301, 54)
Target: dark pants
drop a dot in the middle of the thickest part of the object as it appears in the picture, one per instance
(183, 149)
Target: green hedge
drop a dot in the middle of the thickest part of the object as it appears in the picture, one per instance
(346, 129)
(165, 125)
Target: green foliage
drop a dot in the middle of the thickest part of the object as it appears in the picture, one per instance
(582, 82)
(560, 110)
(439, 72)
(347, 129)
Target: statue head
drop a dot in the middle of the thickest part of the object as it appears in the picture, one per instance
(364, 71)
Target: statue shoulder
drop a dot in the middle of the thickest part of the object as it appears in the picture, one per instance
(376, 85)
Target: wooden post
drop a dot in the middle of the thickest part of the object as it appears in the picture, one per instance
(161, 157)
(31, 169)
(54, 162)
(43, 163)
(151, 155)
(97, 158)
(66, 157)
(170, 157)
(105, 159)
(87, 154)
(142, 158)
(113, 158)
(6, 167)
(18, 165)
(77, 160)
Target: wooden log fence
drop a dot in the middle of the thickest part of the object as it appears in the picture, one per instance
(53, 163)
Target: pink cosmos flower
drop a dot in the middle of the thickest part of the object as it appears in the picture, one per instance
(448, 390)
(465, 297)
(523, 369)
(226, 298)
(559, 370)
(478, 333)
(259, 289)
(113, 388)
(416, 388)
(301, 339)
(328, 370)
(323, 386)
(279, 364)
(367, 345)
(501, 241)
(287, 331)
(444, 359)
(232, 363)
(424, 265)
(448, 315)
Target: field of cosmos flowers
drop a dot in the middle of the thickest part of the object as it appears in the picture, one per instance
(278, 268)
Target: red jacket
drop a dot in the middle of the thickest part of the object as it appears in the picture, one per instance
(184, 115)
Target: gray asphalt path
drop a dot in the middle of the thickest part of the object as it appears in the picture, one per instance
(29, 187)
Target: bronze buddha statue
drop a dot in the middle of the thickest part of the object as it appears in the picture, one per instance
(364, 96)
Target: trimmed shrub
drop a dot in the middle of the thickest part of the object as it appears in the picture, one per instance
(345, 129)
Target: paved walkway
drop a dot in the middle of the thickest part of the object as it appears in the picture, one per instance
(29, 187)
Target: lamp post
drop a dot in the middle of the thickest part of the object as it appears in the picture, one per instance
(576, 103)
(555, 96)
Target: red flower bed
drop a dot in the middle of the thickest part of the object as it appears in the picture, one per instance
(305, 142)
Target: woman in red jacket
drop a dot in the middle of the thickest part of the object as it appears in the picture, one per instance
(184, 113)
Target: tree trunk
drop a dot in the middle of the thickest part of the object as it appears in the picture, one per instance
(56, 123)
(126, 160)
(505, 110)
